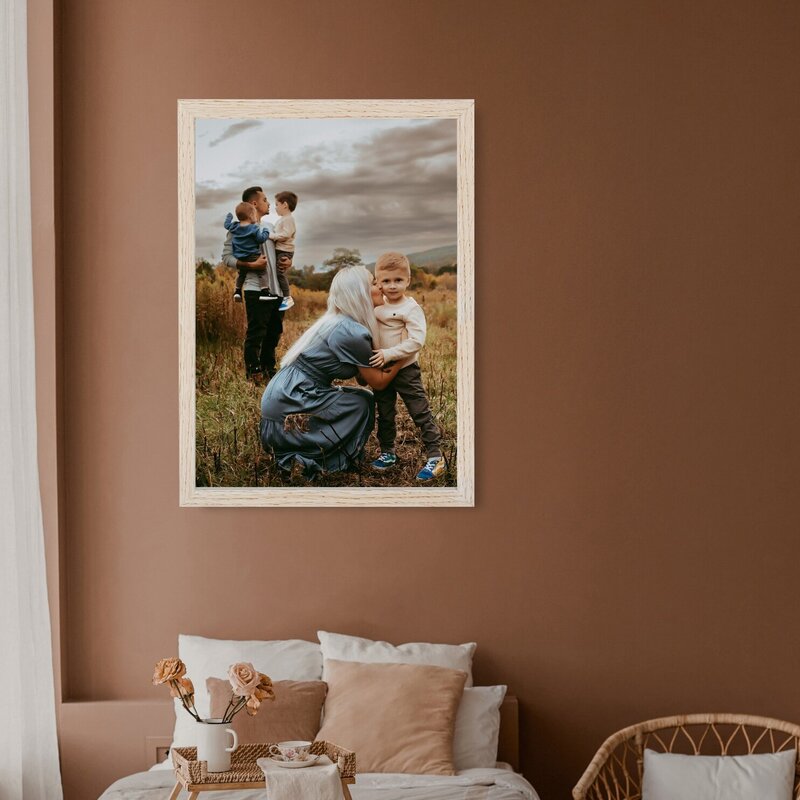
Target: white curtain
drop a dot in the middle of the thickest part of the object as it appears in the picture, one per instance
(29, 767)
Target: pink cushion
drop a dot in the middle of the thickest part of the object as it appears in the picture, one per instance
(395, 717)
(293, 715)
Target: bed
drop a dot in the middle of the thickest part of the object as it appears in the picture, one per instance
(472, 784)
(501, 783)
(487, 717)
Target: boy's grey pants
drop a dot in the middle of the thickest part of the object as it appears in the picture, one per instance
(283, 280)
(408, 384)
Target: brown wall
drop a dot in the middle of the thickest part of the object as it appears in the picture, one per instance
(633, 549)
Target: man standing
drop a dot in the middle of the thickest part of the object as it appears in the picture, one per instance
(264, 321)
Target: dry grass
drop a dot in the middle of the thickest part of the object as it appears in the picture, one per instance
(229, 451)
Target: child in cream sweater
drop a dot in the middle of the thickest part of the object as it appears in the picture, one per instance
(283, 234)
(402, 328)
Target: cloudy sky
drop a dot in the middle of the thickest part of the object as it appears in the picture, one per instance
(370, 184)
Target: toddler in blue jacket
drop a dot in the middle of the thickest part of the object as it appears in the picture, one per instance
(247, 236)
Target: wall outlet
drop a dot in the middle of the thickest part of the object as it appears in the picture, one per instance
(156, 749)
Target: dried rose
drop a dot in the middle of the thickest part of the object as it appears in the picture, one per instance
(182, 688)
(187, 688)
(243, 679)
(252, 706)
(264, 690)
(168, 669)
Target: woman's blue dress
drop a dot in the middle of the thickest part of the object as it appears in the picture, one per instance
(335, 421)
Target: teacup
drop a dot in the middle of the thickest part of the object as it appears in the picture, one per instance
(291, 751)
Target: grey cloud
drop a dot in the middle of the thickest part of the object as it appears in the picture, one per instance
(401, 158)
(209, 245)
(235, 130)
(206, 196)
(382, 214)
(283, 168)
(410, 145)
(395, 189)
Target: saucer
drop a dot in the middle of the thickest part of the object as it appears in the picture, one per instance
(293, 764)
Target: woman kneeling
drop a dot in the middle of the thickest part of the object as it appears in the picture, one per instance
(327, 426)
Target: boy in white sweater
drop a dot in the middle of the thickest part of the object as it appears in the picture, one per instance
(283, 233)
(401, 330)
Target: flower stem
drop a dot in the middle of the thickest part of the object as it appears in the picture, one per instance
(225, 715)
(179, 689)
(237, 707)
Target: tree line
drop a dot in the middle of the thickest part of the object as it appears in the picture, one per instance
(307, 277)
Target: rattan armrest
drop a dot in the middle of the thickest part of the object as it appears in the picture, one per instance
(592, 772)
(615, 772)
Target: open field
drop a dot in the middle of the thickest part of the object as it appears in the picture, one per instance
(229, 451)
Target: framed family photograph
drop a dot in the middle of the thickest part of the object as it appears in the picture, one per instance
(326, 302)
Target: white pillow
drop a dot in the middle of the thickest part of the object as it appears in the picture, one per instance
(338, 647)
(478, 727)
(768, 776)
(282, 660)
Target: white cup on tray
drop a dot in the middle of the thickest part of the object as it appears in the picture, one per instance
(291, 751)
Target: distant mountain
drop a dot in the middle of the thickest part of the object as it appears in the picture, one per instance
(432, 260)
(436, 257)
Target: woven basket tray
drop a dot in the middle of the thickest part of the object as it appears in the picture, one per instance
(244, 768)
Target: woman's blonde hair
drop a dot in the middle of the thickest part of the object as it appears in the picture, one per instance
(349, 296)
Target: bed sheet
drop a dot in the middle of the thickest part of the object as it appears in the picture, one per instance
(470, 784)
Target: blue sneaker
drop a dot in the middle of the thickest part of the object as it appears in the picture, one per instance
(384, 461)
(434, 468)
(286, 304)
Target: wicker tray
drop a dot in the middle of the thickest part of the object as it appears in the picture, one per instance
(244, 768)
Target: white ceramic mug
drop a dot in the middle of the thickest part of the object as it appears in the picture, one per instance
(211, 740)
(290, 751)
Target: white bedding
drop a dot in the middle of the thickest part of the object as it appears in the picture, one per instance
(470, 784)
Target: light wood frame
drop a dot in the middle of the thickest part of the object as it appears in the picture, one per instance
(463, 494)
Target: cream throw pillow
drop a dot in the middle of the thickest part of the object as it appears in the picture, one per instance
(340, 647)
(395, 717)
(669, 776)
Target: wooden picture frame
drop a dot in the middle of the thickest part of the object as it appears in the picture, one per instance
(463, 493)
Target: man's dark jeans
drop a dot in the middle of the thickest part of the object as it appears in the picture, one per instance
(264, 329)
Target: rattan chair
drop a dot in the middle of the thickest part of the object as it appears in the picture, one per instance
(615, 773)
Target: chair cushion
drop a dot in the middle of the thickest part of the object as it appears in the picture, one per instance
(669, 776)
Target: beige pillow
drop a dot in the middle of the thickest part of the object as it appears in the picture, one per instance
(293, 715)
(396, 717)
